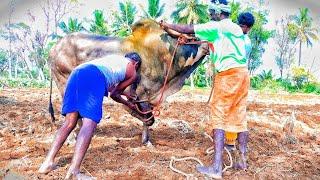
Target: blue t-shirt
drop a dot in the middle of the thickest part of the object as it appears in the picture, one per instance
(113, 67)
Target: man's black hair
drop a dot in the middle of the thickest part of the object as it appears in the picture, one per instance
(226, 14)
(134, 56)
(247, 19)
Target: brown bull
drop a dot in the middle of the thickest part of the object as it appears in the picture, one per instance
(154, 46)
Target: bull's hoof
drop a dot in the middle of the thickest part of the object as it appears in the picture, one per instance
(148, 144)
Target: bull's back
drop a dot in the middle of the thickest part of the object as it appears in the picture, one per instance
(77, 48)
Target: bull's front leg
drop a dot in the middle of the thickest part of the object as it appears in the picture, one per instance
(148, 120)
(145, 135)
(144, 113)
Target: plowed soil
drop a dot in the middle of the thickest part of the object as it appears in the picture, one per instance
(284, 138)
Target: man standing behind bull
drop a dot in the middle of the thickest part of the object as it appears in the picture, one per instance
(86, 87)
(228, 105)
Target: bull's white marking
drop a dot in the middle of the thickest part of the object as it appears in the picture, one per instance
(110, 45)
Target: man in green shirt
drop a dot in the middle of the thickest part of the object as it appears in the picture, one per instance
(228, 104)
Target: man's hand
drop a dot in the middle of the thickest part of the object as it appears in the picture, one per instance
(130, 96)
(163, 24)
(132, 106)
(186, 29)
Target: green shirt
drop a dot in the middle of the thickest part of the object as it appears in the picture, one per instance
(229, 43)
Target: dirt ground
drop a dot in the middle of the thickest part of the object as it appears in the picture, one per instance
(116, 152)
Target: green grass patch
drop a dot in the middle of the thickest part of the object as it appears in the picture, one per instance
(23, 83)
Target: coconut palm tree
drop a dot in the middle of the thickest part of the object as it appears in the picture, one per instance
(190, 12)
(235, 11)
(124, 18)
(154, 9)
(304, 30)
(73, 25)
(99, 25)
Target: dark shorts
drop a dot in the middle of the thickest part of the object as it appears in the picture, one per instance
(84, 93)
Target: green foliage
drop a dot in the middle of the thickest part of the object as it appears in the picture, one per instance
(23, 83)
(124, 18)
(301, 76)
(312, 88)
(264, 80)
(235, 11)
(99, 25)
(200, 76)
(259, 36)
(266, 75)
(303, 30)
(73, 26)
(3, 60)
(190, 12)
(154, 9)
(298, 84)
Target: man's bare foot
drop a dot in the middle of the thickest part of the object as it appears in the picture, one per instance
(47, 167)
(79, 176)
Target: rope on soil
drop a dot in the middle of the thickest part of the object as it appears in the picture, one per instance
(209, 151)
(88, 172)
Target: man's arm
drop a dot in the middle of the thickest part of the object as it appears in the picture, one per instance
(187, 29)
(174, 33)
(118, 90)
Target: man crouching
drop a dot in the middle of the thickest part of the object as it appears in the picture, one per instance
(87, 85)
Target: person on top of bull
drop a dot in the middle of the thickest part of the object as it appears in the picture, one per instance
(228, 104)
(87, 85)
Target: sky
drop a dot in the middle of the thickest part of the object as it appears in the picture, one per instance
(278, 8)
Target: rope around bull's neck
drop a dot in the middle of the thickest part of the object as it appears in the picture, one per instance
(156, 109)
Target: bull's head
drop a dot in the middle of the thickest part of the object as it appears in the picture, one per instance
(156, 48)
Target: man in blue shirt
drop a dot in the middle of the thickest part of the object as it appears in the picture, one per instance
(87, 85)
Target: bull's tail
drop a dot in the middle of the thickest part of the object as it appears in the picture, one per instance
(51, 111)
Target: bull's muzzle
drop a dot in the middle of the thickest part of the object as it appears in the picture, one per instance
(144, 113)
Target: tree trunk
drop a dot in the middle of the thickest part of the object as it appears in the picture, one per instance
(10, 61)
(16, 70)
(40, 75)
(191, 81)
(10, 49)
(207, 82)
(300, 46)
